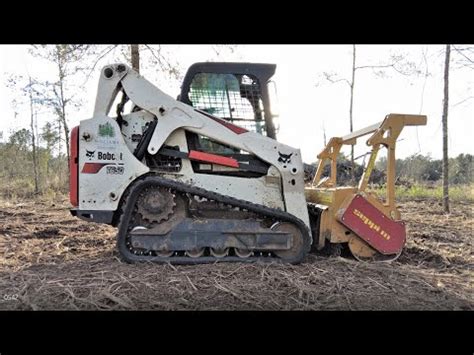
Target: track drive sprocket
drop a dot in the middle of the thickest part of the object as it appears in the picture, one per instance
(156, 204)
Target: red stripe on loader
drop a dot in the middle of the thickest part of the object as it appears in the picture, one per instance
(92, 168)
(213, 158)
(232, 127)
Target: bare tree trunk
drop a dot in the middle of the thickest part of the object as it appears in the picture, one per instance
(35, 164)
(59, 135)
(445, 131)
(63, 118)
(135, 54)
(350, 109)
(66, 134)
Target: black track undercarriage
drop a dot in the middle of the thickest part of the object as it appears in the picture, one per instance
(164, 220)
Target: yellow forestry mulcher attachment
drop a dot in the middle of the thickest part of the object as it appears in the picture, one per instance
(370, 225)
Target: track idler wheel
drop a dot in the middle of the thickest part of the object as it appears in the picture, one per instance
(297, 249)
(364, 252)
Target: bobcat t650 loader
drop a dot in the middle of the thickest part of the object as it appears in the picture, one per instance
(203, 178)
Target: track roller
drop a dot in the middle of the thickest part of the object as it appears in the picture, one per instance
(243, 253)
(219, 253)
(196, 253)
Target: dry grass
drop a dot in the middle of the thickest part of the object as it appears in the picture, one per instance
(50, 260)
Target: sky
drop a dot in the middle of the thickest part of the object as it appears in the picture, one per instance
(307, 104)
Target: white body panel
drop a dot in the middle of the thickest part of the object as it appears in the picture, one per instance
(102, 190)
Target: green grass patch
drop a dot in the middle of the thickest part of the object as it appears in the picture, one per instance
(419, 191)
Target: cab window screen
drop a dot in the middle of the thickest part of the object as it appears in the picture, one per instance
(233, 97)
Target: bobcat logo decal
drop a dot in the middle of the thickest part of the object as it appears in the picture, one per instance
(285, 158)
(90, 154)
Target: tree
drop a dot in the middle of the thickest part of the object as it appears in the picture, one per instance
(462, 61)
(56, 94)
(445, 131)
(395, 62)
(461, 169)
(25, 88)
(32, 125)
(20, 139)
(135, 57)
(50, 136)
(15, 161)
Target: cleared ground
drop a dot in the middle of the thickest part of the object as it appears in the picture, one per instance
(50, 260)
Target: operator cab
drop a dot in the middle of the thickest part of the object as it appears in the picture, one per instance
(236, 92)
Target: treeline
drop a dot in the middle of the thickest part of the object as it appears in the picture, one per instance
(17, 173)
(17, 170)
(420, 168)
(415, 169)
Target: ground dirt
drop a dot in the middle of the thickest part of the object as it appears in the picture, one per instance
(52, 261)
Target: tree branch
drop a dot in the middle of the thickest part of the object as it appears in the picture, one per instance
(460, 102)
(162, 61)
(101, 55)
(461, 53)
(328, 77)
(152, 51)
(375, 66)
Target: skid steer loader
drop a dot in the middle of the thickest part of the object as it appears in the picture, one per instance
(203, 178)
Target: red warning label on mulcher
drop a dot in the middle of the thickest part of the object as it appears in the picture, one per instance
(379, 231)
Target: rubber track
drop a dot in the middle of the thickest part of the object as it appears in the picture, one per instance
(131, 195)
